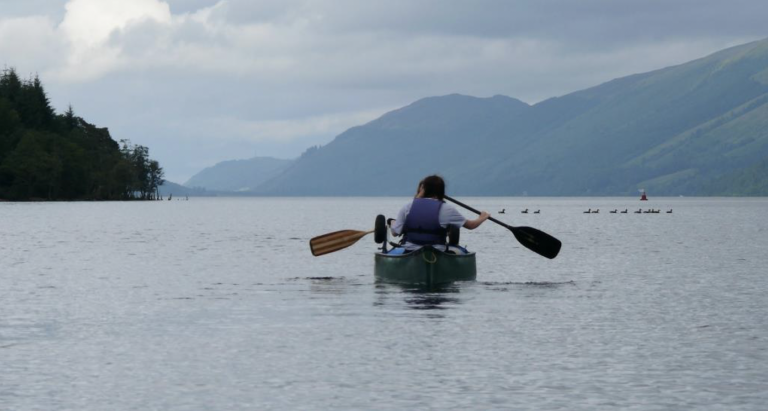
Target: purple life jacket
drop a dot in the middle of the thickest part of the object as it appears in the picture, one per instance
(422, 224)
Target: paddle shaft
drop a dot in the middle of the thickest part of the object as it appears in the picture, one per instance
(459, 203)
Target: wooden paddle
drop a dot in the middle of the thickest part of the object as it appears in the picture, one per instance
(335, 241)
(531, 238)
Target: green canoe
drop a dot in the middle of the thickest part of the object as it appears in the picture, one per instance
(427, 266)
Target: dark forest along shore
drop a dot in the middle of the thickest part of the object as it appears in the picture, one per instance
(46, 156)
(183, 304)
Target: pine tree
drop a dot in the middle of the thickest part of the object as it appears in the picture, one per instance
(43, 103)
(10, 85)
(70, 121)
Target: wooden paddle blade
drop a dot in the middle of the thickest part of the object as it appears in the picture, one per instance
(537, 241)
(335, 241)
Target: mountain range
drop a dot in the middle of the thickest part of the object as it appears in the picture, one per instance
(699, 128)
(239, 175)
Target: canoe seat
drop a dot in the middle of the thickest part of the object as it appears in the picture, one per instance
(454, 233)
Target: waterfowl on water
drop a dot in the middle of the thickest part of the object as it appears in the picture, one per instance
(669, 211)
(525, 211)
(596, 211)
(588, 211)
(625, 211)
(614, 211)
(503, 210)
(537, 212)
(638, 211)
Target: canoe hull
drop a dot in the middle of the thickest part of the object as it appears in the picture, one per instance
(425, 267)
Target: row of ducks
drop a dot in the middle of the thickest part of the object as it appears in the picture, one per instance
(639, 211)
(504, 211)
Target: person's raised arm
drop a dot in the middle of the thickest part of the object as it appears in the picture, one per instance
(396, 225)
(472, 224)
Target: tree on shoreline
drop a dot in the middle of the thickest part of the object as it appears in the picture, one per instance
(47, 156)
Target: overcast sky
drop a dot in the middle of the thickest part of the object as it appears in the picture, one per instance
(203, 81)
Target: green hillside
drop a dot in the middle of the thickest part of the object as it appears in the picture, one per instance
(672, 131)
(751, 181)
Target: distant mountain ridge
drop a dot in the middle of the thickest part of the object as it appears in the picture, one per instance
(238, 175)
(691, 129)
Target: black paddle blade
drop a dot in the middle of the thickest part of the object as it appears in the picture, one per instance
(537, 241)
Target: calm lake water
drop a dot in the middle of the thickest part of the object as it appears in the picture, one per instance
(218, 304)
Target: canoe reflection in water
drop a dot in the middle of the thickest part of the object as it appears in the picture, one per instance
(435, 299)
(419, 297)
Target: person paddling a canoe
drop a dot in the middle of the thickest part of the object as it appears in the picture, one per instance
(426, 219)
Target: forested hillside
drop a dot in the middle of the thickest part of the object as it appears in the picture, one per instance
(49, 156)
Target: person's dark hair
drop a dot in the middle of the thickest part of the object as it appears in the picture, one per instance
(434, 187)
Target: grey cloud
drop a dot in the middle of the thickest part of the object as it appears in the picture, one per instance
(583, 24)
(25, 8)
(188, 6)
(274, 12)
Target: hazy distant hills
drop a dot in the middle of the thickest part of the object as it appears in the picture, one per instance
(238, 175)
(700, 128)
(389, 155)
(179, 191)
